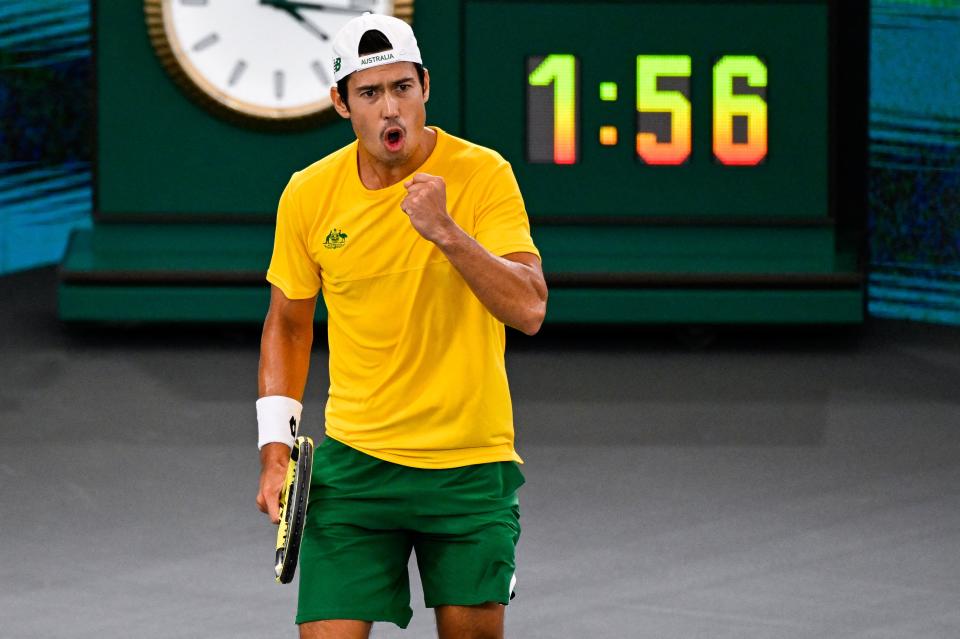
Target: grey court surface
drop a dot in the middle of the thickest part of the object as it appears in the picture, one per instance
(777, 484)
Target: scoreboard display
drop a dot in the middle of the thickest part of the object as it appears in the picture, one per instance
(552, 115)
(654, 109)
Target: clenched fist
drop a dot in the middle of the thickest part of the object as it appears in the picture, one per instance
(426, 206)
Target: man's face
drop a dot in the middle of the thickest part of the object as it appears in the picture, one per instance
(387, 110)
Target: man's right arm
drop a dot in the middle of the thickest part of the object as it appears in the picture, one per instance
(284, 363)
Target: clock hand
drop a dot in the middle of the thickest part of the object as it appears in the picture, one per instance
(287, 5)
(306, 24)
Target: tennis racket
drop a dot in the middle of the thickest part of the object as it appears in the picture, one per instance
(293, 509)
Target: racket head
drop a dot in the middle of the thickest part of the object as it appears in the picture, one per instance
(293, 509)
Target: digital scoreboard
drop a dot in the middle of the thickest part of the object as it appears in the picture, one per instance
(651, 109)
(664, 123)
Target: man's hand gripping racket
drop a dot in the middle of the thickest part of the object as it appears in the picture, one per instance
(293, 508)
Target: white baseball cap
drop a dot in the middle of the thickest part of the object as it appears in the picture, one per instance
(346, 43)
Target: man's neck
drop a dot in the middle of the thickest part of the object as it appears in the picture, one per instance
(377, 175)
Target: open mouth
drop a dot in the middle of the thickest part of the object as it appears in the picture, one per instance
(393, 138)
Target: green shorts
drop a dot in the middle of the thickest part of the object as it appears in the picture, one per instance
(365, 516)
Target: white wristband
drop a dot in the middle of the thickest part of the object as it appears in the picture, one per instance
(278, 420)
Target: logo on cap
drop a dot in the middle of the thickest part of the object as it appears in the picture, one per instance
(376, 58)
(336, 65)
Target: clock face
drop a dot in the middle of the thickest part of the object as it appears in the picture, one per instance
(256, 60)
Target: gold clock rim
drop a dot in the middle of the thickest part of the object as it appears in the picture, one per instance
(181, 70)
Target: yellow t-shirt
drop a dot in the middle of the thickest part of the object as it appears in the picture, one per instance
(417, 373)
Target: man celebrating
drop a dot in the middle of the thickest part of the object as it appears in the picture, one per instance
(421, 246)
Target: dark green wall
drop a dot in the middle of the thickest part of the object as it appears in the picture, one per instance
(158, 152)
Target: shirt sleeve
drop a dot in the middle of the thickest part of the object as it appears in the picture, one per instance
(292, 270)
(502, 226)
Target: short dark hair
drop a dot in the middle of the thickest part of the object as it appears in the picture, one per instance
(373, 41)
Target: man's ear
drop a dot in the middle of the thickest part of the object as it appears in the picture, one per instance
(338, 103)
(426, 85)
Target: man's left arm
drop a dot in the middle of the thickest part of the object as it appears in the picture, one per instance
(512, 287)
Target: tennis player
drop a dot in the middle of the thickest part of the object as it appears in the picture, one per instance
(420, 244)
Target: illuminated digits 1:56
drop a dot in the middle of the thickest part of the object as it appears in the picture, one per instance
(740, 114)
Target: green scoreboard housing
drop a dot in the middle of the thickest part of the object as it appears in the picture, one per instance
(681, 162)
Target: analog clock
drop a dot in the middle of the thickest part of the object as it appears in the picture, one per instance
(262, 62)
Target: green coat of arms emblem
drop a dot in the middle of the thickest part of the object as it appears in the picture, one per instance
(335, 239)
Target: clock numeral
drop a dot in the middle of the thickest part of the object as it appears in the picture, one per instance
(208, 41)
(552, 115)
(664, 129)
(740, 124)
(278, 84)
(238, 70)
(321, 72)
